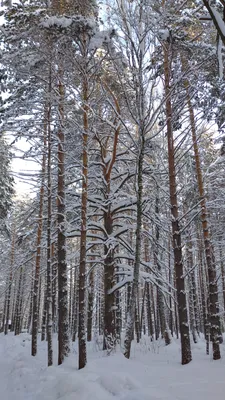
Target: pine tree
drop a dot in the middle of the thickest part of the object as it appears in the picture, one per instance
(177, 247)
(6, 181)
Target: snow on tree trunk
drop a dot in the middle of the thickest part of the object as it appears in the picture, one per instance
(44, 314)
(63, 323)
(192, 291)
(49, 231)
(109, 311)
(35, 311)
(161, 304)
(54, 288)
(83, 233)
(134, 290)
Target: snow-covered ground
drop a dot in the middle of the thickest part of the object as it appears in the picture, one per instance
(153, 373)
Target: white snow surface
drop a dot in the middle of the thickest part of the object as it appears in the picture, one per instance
(154, 372)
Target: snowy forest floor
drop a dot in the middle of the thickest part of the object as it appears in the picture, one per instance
(154, 372)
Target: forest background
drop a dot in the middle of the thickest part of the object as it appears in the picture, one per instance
(121, 106)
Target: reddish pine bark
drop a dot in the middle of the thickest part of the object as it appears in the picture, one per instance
(177, 248)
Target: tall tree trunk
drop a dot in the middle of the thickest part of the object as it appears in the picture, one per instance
(148, 294)
(18, 303)
(49, 244)
(63, 326)
(137, 320)
(149, 312)
(170, 290)
(118, 316)
(19, 325)
(14, 299)
(109, 312)
(154, 308)
(177, 249)
(210, 259)
(134, 290)
(109, 279)
(90, 305)
(222, 274)
(9, 289)
(44, 314)
(75, 305)
(192, 293)
(202, 285)
(39, 300)
(29, 322)
(83, 232)
(160, 297)
(142, 319)
(54, 289)
(5, 306)
(35, 311)
(71, 296)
